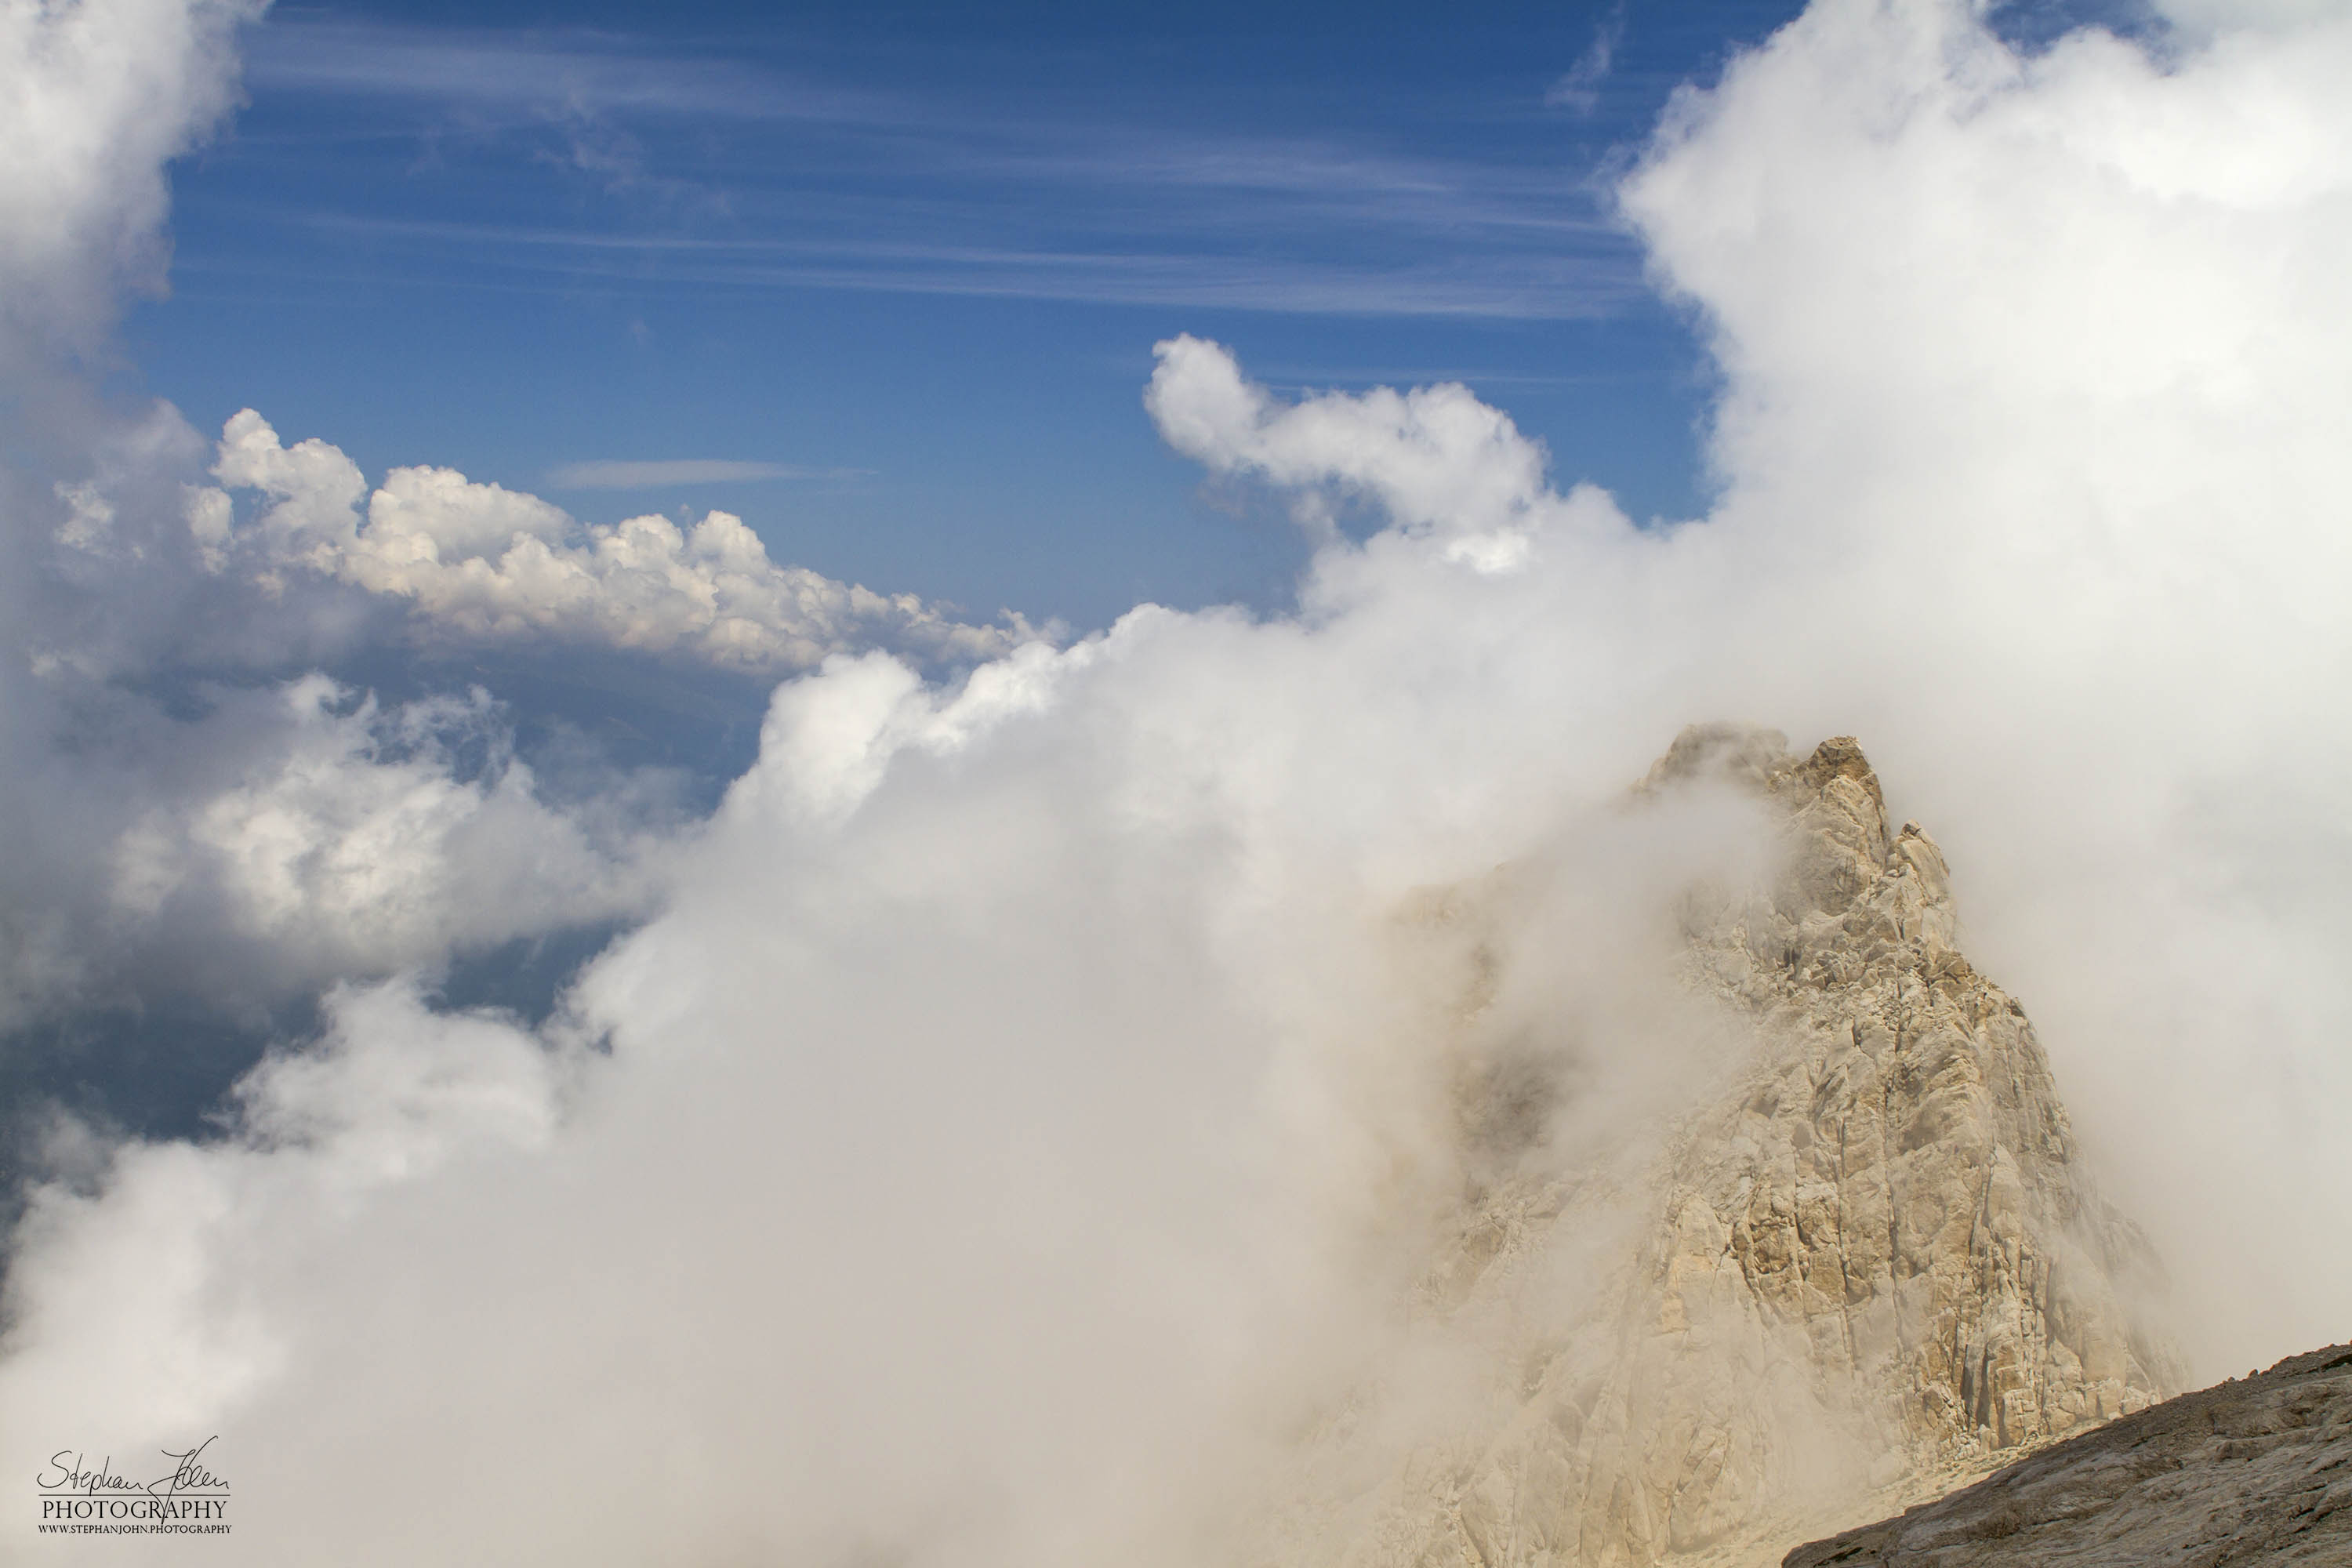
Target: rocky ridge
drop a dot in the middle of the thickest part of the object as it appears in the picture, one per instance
(1864, 1265)
(2257, 1469)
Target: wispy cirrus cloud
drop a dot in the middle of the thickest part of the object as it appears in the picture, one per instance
(522, 71)
(612, 474)
(936, 178)
(1580, 87)
(1588, 270)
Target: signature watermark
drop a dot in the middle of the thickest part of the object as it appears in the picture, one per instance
(77, 1498)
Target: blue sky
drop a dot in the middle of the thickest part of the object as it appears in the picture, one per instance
(915, 258)
(885, 281)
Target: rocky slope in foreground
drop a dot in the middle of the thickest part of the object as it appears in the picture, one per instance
(2252, 1471)
(1860, 1266)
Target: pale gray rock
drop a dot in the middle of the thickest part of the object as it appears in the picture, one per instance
(1860, 1262)
(2254, 1470)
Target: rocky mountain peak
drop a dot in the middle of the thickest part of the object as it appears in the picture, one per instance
(1863, 1265)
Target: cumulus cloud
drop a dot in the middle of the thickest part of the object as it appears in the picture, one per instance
(193, 823)
(2030, 432)
(981, 1157)
(991, 1152)
(480, 563)
(1438, 461)
(99, 98)
(168, 837)
(397, 1091)
(296, 833)
(339, 837)
(186, 821)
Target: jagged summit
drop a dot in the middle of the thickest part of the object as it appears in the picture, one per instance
(1928, 1154)
(1865, 1266)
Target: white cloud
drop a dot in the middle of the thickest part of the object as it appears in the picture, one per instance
(342, 841)
(609, 474)
(394, 1092)
(2034, 476)
(480, 563)
(289, 837)
(983, 1155)
(100, 95)
(170, 839)
(1438, 461)
(1578, 88)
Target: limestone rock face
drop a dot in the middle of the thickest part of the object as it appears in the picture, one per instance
(1901, 1177)
(2256, 1469)
(1860, 1263)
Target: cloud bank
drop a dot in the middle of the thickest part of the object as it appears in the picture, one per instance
(195, 811)
(994, 1148)
(483, 564)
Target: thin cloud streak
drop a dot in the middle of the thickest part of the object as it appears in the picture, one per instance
(582, 71)
(1551, 284)
(924, 140)
(1580, 89)
(605, 474)
(963, 191)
